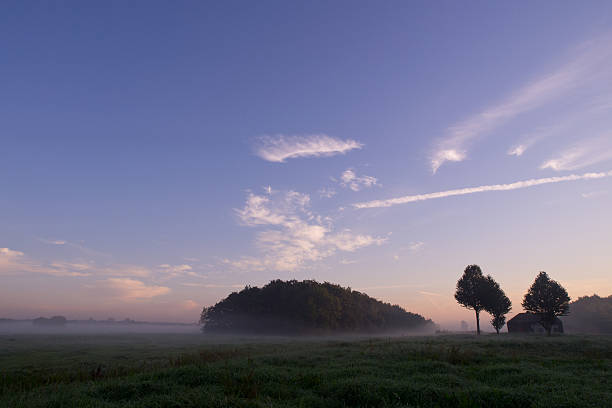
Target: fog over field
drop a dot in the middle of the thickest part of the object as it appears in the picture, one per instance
(26, 327)
(84, 329)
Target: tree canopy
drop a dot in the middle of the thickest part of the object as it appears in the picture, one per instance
(496, 304)
(478, 292)
(307, 307)
(548, 299)
(471, 291)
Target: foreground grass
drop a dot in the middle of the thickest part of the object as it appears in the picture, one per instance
(192, 370)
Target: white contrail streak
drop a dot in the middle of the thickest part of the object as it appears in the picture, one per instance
(480, 189)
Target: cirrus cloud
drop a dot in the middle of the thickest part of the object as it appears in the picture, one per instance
(131, 289)
(349, 179)
(170, 271)
(9, 253)
(53, 241)
(16, 262)
(588, 64)
(282, 147)
(582, 154)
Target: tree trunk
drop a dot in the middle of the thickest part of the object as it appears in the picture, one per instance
(547, 323)
(497, 330)
(478, 322)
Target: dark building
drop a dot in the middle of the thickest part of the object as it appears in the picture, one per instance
(530, 323)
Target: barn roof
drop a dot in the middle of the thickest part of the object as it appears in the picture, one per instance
(528, 318)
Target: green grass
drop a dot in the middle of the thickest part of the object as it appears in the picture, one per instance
(192, 370)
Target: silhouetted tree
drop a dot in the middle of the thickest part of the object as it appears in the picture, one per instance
(496, 303)
(548, 299)
(203, 315)
(471, 291)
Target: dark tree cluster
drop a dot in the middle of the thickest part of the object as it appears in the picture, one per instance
(590, 314)
(307, 307)
(546, 298)
(478, 292)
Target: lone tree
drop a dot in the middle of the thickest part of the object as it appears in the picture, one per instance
(548, 299)
(497, 304)
(471, 291)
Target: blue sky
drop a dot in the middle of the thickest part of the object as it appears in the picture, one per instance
(159, 155)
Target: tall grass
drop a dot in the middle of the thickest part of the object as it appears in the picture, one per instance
(194, 371)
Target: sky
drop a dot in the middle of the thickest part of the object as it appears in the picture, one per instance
(156, 156)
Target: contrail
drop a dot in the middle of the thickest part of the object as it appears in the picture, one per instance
(471, 190)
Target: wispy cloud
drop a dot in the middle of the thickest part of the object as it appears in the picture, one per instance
(413, 247)
(16, 262)
(281, 147)
(349, 179)
(53, 241)
(119, 270)
(481, 189)
(422, 292)
(416, 246)
(450, 150)
(211, 285)
(189, 304)
(293, 234)
(327, 192)
(8, 253)
(386, 287)
(171, 271)
(584, 112)
(76, 245)
(247, 264)
(583, 154)
(130, 289)
(594, 194)
(257, 212)
(582, 66)
(71, 268)
(518, 150)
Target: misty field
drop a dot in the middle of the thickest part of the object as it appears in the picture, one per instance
(193, 370)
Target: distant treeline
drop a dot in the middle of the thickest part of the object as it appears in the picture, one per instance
(307, 307)
(62, 321)
(590, 314)
(53, 321)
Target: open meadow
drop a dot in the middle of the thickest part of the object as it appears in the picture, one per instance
(194, 370)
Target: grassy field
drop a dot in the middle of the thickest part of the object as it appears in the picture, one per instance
(191, 370)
